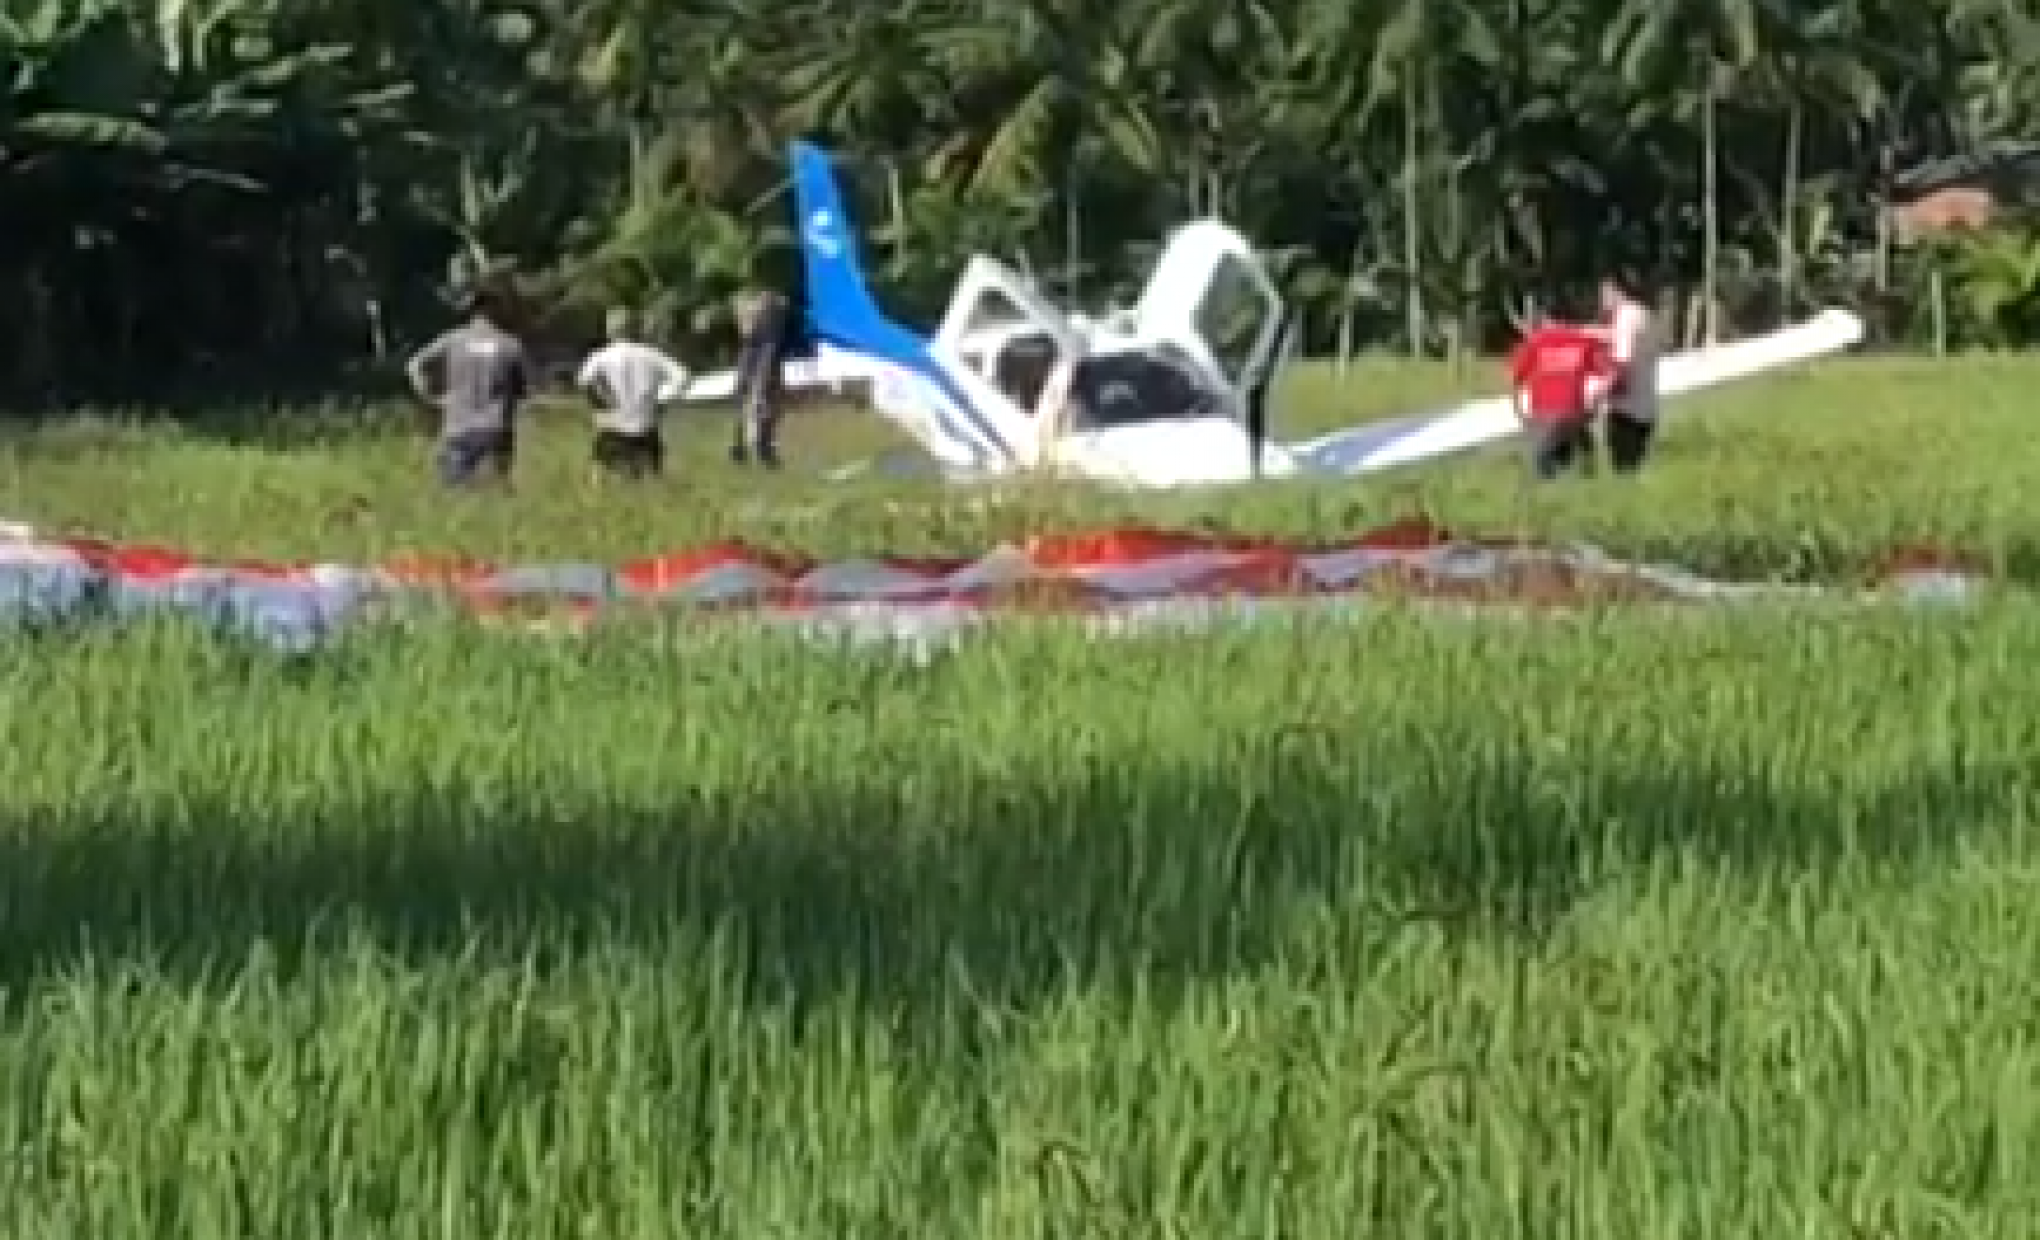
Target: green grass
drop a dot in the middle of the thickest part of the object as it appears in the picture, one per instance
(1619, 925)
(1804, 474)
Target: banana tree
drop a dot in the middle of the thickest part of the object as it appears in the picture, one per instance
(1068, 88)
(1995, 278)
(1417, 54)
(942, 228)
(1694, 60)
(490, 171)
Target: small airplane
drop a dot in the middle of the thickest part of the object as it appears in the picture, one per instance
(1171, 392)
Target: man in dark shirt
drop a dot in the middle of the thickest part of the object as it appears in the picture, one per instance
(764, 319)
(484, 378)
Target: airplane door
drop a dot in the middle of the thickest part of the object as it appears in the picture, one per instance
(1211, 293)
(1012, 348)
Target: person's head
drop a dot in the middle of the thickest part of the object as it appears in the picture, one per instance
(617, 324)
(750, 310)
(1616, 292)
(756, 307)
(1541, 312)
(482, 305)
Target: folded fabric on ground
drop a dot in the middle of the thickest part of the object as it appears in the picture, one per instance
(1118, 580)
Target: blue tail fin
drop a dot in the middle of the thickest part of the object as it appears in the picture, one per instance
(841, 312)
(840, 306)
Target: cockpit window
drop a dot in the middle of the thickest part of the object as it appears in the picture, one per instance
(1021, 368)
(1233, 316)
(1126, 389)
(992, 309)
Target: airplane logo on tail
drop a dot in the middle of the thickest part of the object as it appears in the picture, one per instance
(822, 234)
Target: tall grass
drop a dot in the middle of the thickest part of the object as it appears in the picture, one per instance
(1613, 926)
(1807, 475)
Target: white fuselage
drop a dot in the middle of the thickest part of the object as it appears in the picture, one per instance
(1159, 395)
(1186, 449)
(1142, 412)
(1146, 396)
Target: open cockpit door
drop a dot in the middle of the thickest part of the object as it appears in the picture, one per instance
(1211, 294)
(1013, 347)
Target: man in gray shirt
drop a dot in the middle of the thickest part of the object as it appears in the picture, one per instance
(485, 377)
(764, 319)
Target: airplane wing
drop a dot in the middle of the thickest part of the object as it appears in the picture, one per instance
(718, 385)
(905, 465)
(1477, 423)
(829, 367)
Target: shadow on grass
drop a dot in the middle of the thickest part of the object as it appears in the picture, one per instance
(1160, 878)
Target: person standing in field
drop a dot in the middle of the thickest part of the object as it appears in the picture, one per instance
(630, 383)
(764, 319)
(1632, 417)
(484, 377)
(1559, 375)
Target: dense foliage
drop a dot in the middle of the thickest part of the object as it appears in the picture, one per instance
(189, 186)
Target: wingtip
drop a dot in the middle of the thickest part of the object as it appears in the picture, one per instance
(1848, 322)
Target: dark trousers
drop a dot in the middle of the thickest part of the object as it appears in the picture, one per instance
(476, 456)
(635, 457)
(758, 431)
(1629, 441)
(760, 394)
(1556, 447)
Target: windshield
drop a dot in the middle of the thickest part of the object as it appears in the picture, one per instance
(1157, 384)
(1233, 316)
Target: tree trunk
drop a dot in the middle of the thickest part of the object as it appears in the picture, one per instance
(1073, 232)
(1881, 261)
(896, 206)
(1937, 292)
(1349, 307)
(1789, 258)
(1453, 226)
(1710, 211)
(1413, 242)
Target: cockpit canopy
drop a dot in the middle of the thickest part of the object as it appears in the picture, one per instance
(1194, 348)
(1118, 387)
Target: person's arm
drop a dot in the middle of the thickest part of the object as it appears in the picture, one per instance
(418, 369)
(1628, 329)
(1600, 375)
(523, 373)
(1625, 338)
(1519, 374)
(591, 382)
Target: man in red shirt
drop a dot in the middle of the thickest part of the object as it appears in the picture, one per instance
(1560, 374)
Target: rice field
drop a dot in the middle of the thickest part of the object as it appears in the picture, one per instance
(1617, 924)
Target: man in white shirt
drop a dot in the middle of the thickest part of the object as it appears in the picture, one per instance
(1633, 398)
(630, 383)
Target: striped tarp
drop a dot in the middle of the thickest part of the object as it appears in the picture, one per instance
(1114, 579)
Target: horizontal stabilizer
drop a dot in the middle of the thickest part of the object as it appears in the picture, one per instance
(828, 368)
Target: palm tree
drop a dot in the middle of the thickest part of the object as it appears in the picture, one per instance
(1437, 163)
